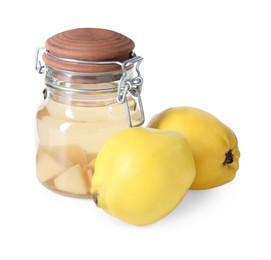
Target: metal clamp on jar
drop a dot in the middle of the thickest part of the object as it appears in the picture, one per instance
(93, 90)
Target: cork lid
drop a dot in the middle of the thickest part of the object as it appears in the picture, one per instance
(87, 44)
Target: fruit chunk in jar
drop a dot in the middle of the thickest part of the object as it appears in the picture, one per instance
(65, 169)
(72, 180)
(49, 167)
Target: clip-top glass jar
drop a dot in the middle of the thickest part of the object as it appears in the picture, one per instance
(93, 88)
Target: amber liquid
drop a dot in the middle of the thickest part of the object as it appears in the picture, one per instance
(69, 138)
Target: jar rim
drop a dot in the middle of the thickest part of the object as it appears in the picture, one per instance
(83, 66)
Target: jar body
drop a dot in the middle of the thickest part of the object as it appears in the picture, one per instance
(71, 129)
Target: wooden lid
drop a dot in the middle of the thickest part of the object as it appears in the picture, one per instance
(91, 44)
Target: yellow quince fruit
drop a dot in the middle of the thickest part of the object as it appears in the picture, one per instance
(142, 174)
(214, 145)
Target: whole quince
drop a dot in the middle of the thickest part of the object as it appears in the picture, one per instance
(214, 145)
(141, 174)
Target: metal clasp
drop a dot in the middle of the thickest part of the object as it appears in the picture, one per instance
(133, 87)
(38, 67)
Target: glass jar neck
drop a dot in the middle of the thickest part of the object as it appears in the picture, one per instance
(83, 88)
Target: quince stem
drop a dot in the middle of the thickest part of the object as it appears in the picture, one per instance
(95, 198)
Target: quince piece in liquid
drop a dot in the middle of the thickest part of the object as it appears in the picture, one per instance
(72, 181)
(72, 152)
(49, 167)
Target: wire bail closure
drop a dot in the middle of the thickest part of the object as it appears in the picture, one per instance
(126, 86)
(131, 86)
(38, 67)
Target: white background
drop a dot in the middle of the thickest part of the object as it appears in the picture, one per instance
(215, 55)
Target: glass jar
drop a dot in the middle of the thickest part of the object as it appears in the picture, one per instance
(81, 110)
